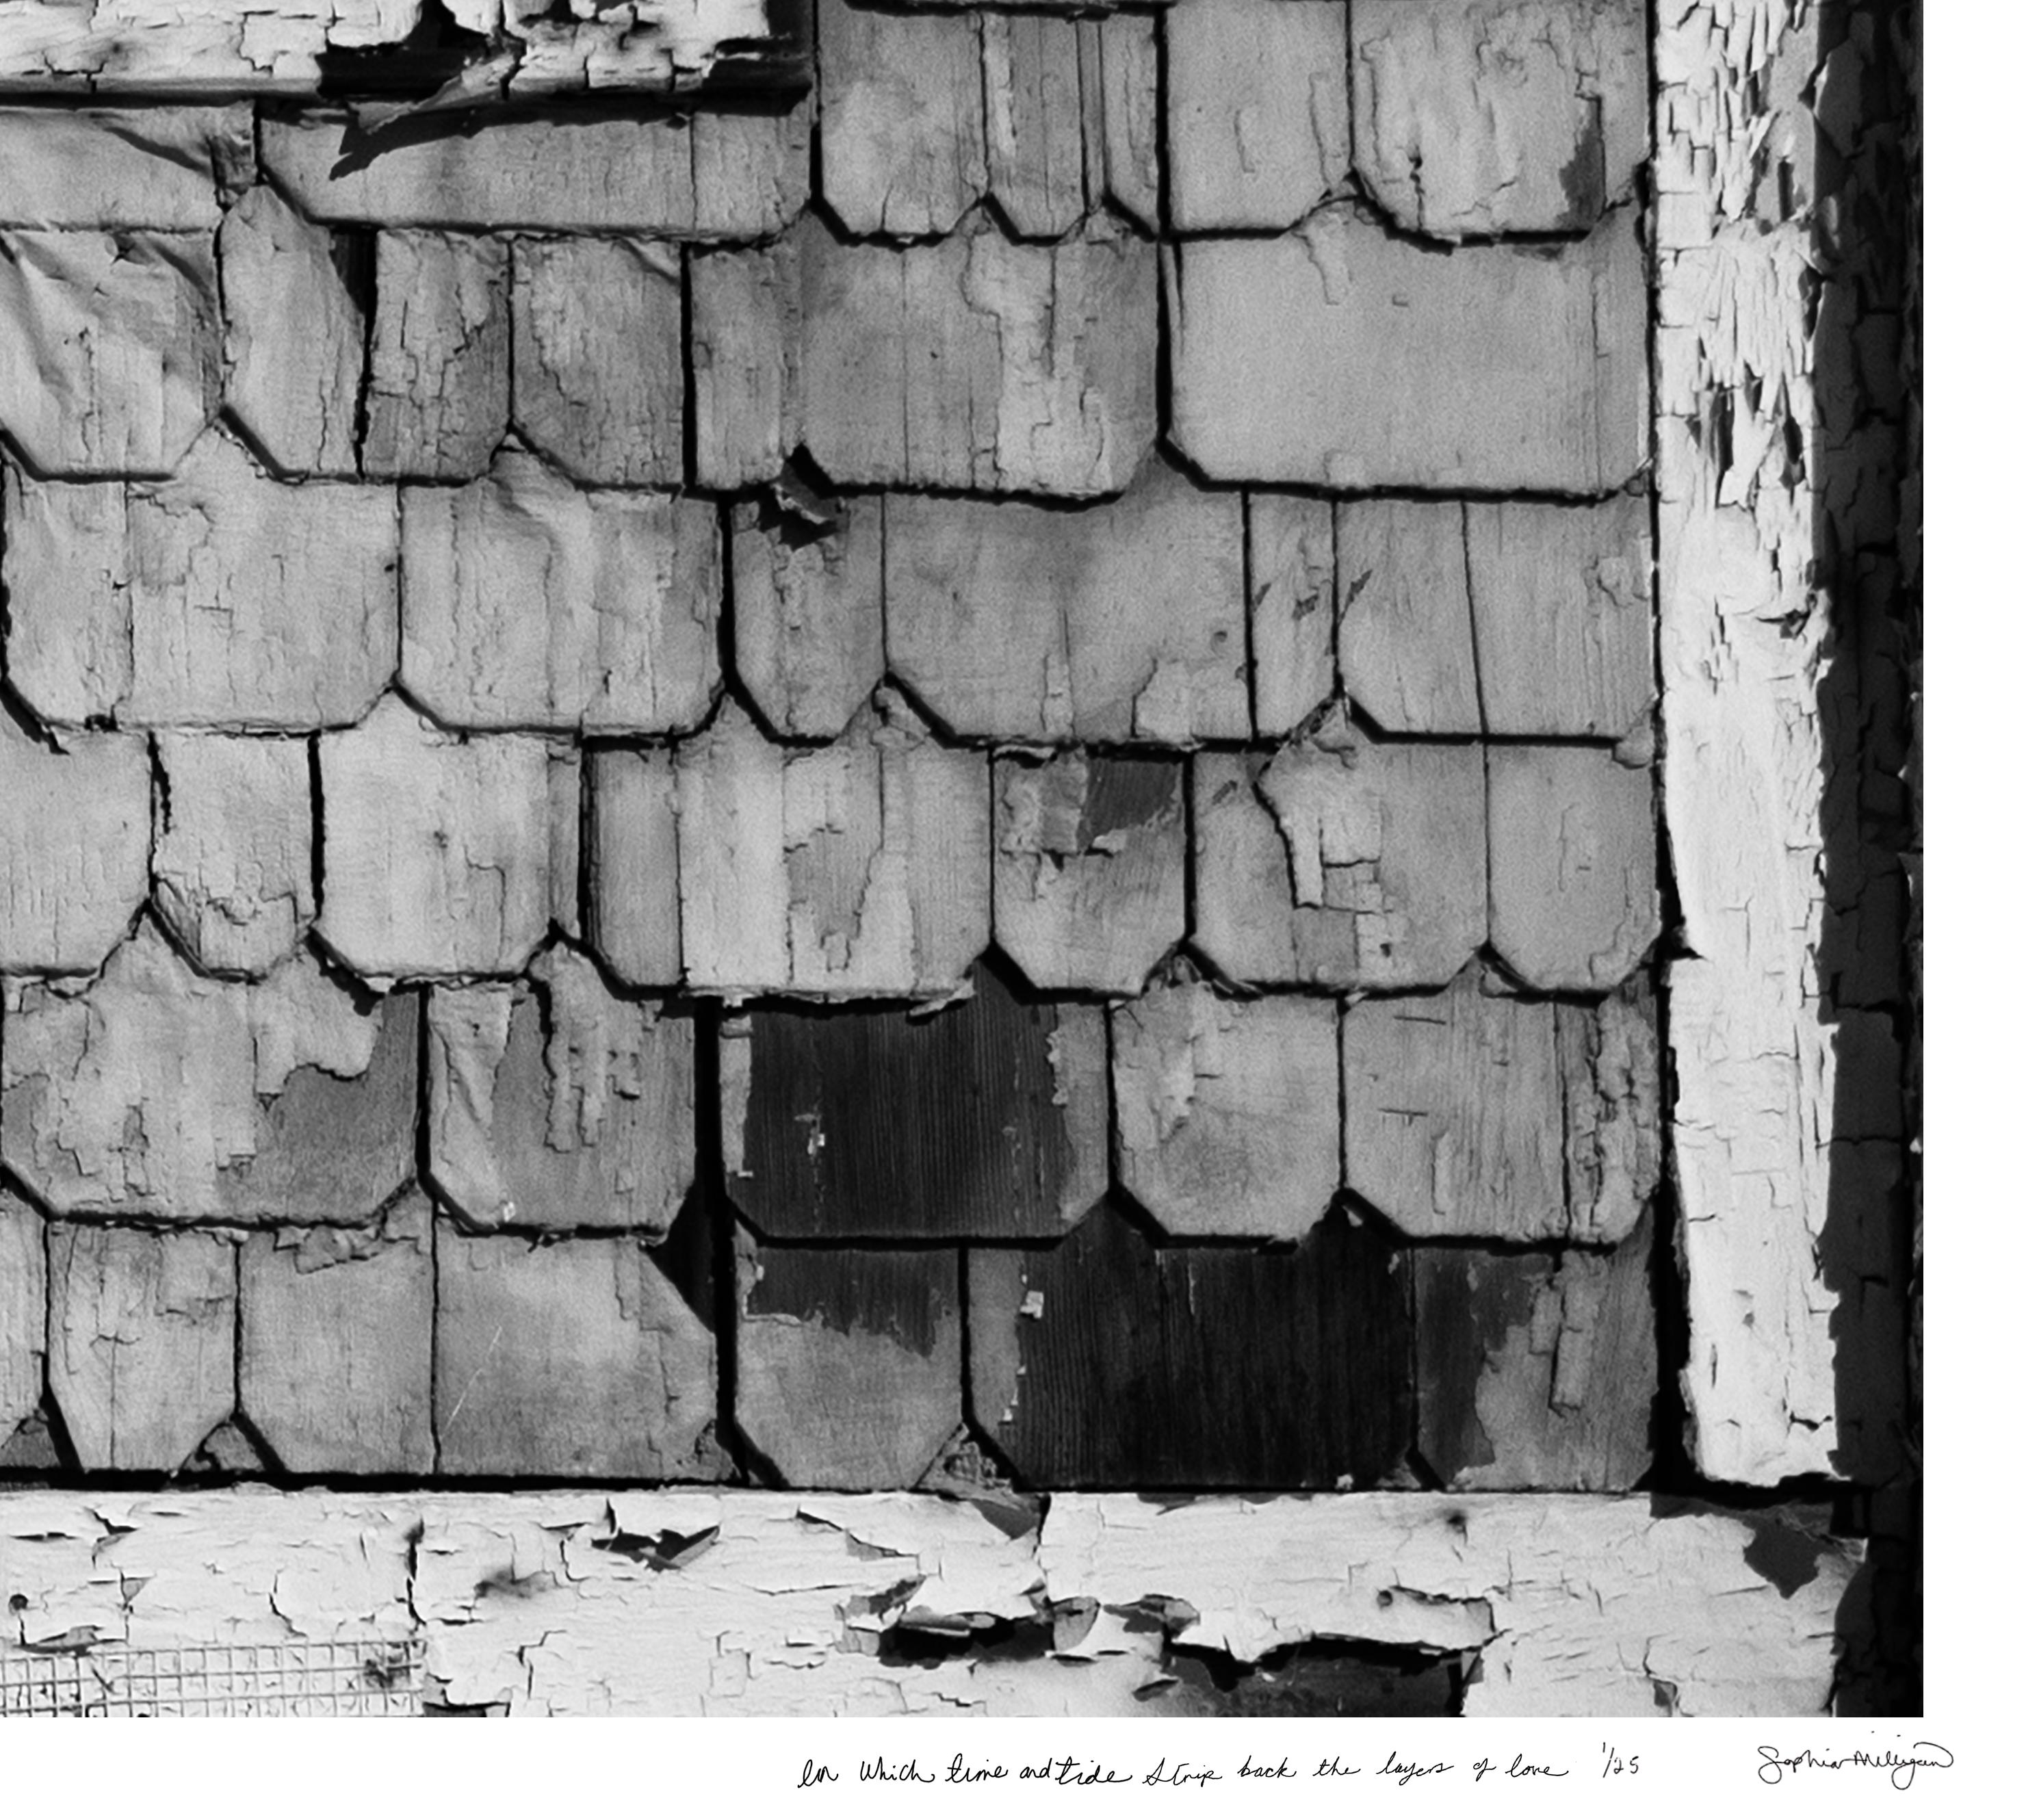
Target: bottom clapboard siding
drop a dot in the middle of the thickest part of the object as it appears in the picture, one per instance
(705, 1602)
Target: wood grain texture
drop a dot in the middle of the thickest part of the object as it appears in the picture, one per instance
(1229, 1121)
(1405, 643)
(1612, 1149)
(578, 1359)
(1536, 1370)
(112, 362)
(1340, 860)
(335, 1335)
(636, 910)
(809, 617)
(154, 1092)
(1575, 901)
(724, 174)
(1089, 864)
(234, 880)
(73, 846)
(974, 363)
(1127, 63)
(23, 1312)
(220, 599)
(109, 166)
(598, 349)
(527, 602)
(1034, 120)
(1292, 594)
(1123, 622)
(850, 1363)
(295, 335)
(858, 869)
(1472, 1113)
(985, 1119)
(1105, 1360)
(438, 391)
(903, 118)
(1258, 126)
(1453, 1123)
(553, 1105)
(445, 855)
(1488, 367)
(140, 1343)
(1562, 609)
(1498, 116)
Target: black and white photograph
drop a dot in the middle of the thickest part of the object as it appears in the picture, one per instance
(1046, 859)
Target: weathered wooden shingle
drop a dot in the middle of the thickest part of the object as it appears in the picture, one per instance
(529, 603)
(719, 174)
(1574, 903)
(1453, 1123)
(1090, 862)
(1611, 1110)
(986, 1118)
(444, 855)
(140, 1343)
(438, 388)
(635, 907)
(74, 824)
(137, 167)
(221, 597)
(1107, 1360)
(295, 335)
(1498, 116)
(809, 615)
(972, 363)
(1562, 602)
(23, 1312)
(234, 877)
(850, 1362)
(553, 1104)
(1471, 1113)
(925, 114)
(111, 361)
(334, 1334)
(578, 1359)
(1121, 621)
(1536, 1370)
(860, 868)
(903, 118)
(1228, 1110)
(1291, 596)
(1404, 643)
(597, 358)
(1340, 860)
(1391, 365)
(152, 1092)
(1124, 165)
(1043, 95)
(1258, 128)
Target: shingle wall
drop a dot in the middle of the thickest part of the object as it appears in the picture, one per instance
(961, 770)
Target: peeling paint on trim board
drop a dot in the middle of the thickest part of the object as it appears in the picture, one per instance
(466, 53)
(1779, 1086)
(703, 1602)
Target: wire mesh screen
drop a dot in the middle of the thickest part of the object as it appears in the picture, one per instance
(379, 1679)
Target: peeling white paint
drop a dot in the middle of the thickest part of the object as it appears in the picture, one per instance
(704, 1602)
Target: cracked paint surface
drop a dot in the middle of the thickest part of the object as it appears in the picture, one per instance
(702, 1602)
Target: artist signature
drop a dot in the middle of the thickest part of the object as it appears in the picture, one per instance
(1899, 1765)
